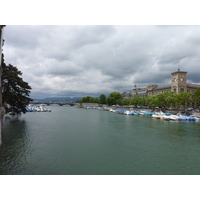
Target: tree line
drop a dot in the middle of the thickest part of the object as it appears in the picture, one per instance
(166, 99)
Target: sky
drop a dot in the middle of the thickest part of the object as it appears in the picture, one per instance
(89, 60)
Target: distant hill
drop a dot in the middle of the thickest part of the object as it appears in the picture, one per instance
(53, 99)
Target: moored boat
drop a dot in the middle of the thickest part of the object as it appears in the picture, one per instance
(165, 116)
(175, 117)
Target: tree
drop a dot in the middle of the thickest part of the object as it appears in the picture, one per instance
(111, 101)
(170, 98)
(183, 98)
(196, 97)
(96, 100)
(15, 91)
(116, 95)
(102, 99)
(136, 101)
(126, 102)
(89, 99)
(114, 98)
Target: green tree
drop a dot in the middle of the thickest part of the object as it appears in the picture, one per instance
(95, 100)
(114, 98)
(102, 99)
(183, 98)
(89, 99)
(170, 98)
(136, 101)
(116, 95)
(165, 99)
(15, 91)
(196, 97)
(86, 99)
(142, 101)
(152, 101)
(111, 101)
(126, 102)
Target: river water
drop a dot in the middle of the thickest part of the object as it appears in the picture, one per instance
(74, 141)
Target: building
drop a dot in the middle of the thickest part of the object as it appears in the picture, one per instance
(178, 84)
(126, 95)
(1, 44)
(139, 92)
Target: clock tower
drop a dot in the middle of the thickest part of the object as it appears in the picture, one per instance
(179, 82)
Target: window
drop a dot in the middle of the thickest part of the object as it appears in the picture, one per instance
(181, 89)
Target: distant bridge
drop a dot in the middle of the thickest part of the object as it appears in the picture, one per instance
(50, 103)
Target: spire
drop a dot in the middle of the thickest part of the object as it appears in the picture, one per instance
(178, 68)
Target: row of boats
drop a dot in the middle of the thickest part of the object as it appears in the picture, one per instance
(37, 108)
(158, 115)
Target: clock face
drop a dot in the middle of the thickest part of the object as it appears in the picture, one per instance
(181, 79)
(174, 79)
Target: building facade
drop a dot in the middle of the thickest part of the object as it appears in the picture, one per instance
(178, 84)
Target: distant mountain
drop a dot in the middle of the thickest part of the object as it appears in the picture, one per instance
(52, 99)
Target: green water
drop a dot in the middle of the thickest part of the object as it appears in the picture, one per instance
(73, 141)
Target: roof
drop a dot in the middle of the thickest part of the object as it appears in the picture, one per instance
(193, 85)
(178, 72)
(162, 87)
(169, 86)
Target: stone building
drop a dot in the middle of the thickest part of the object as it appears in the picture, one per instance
(178, 84)
(126, 95)
(139, 92)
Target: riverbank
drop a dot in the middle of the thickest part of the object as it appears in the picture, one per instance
(130, 108)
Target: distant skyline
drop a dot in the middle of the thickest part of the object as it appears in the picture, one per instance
(75, 61)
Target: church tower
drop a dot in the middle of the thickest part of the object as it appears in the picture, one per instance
(179, 82)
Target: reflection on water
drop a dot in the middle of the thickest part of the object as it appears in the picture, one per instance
(80, 141)
(15, 144)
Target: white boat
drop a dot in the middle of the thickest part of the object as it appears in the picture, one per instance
(196, 118)
(165, 116)
(175, 117)
(157, 115)
(128, 112)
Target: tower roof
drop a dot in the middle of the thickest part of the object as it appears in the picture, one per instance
(179, 72)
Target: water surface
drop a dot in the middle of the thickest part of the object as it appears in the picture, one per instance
(74, 141)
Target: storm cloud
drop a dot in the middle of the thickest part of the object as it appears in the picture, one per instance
(68, 60)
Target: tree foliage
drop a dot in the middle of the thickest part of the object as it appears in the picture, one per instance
(15, 91)
(89, 99)
(166, 99)
(183, 98)
(196, 97)
(114, 98)
(125, 102)
(102, 99)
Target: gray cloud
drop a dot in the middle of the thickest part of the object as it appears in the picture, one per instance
(91, 60)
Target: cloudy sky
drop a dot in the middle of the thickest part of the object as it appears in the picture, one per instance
(71, 60)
